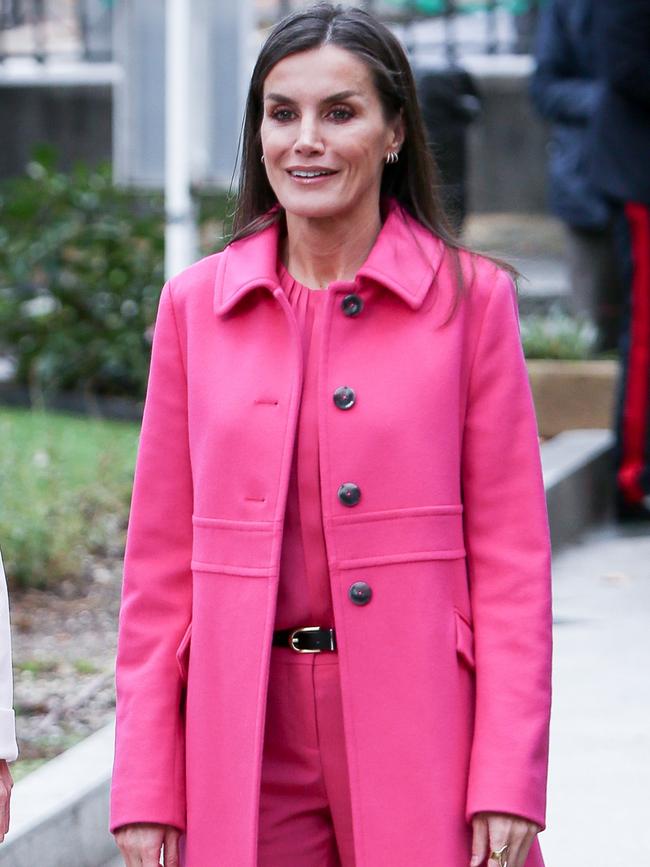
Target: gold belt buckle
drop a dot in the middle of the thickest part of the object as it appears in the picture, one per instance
(304, 629)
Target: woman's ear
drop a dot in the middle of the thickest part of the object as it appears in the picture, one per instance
(398, 131)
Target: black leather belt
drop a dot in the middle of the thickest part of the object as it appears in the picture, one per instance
(306, 639)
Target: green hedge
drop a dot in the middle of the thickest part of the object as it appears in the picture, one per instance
(81, 269)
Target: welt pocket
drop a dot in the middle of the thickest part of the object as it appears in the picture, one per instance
(183, 652)
(232, 547)
(464, 639)
(402, 535)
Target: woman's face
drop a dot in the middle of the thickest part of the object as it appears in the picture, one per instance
(322, 114)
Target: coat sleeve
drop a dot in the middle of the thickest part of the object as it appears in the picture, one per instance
(8, 745)
(148, 783)
(508, 546)
(623, 33)
(558, 92)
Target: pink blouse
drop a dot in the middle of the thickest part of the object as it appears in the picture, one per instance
(304, 596)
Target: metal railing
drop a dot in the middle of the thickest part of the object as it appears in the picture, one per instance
(56, 29)
(450, 27)
(81, 29)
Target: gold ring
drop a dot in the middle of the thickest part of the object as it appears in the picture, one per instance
(498, 855)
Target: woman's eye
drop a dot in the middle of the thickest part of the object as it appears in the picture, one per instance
(341, 113)
(282, 114)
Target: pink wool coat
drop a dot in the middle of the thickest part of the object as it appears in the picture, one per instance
(445, 673)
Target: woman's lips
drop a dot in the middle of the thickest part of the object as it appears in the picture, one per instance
(318, 179)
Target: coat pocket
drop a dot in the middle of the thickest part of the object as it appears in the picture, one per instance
(416, 534)
(227, 547)
(464, 640)
(183, 653)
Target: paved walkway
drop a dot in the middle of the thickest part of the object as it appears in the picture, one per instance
(600, 733)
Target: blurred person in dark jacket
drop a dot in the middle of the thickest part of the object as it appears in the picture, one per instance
(620, 168)
(565, 90)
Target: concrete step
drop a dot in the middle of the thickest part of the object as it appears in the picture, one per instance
(544, 284)
(542, 277)
(535, 245)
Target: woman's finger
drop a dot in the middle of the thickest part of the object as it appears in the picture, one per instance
(499, 834)
(171, 848)
(8, 813)
(131, 858)
(6, 785)
(123, 844)
(512, 853)
(151, 855)
(514, 832)
(5, 793)
(496, 847)
(518, 851)
(479, 841)
(140, 844)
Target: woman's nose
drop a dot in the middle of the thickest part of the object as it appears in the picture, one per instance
(309, 139)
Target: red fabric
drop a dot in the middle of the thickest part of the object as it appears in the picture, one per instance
(635, 408)
(305, 816)
(304, 595)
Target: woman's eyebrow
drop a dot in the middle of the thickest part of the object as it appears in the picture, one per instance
(335, 97)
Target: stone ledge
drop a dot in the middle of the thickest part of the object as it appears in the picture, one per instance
(573, 395)
(578, 472)
(59, 811)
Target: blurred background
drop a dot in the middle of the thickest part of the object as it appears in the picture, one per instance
(98, 203)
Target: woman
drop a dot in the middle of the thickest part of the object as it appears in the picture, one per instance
(338, 433)
(8, 745)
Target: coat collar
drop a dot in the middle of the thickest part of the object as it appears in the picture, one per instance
(404, 259)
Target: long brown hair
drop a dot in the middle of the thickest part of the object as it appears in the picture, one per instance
(414, 180)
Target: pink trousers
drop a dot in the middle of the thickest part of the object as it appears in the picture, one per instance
(305, 798)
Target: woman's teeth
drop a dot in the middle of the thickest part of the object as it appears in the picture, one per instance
(309, 174)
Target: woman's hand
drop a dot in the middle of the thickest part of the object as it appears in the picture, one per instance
(140, 844)
(6, 785)
(492, 830)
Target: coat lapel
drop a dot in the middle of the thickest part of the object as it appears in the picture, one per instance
(404, 259)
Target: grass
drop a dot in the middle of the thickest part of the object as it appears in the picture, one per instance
(85, 666)
(65, 487)
(21, 767)
(49, 747)
(37, 666)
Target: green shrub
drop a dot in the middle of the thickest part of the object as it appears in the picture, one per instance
(558, 335)
(81, 269)
(65, 488)
(80, 276)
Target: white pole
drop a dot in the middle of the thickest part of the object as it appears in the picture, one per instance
(180, 232)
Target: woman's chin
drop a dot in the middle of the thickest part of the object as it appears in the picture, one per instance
(311, 205)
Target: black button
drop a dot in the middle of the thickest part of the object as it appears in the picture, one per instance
(360, 593)
(349, 494)
(344, 397)
(352, 305)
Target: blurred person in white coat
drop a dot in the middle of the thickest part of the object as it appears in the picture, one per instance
(8, 746)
